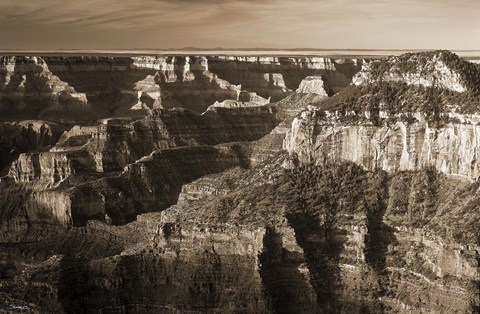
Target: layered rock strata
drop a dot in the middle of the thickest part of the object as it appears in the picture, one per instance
(118, 142)
(152, 183)
(85, 88)
(317, 137)
(241, 249)
(274, 76)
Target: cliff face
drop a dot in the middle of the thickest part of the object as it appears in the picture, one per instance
(178, 271)
(451, 149)
(252, 248)
(378, 124)
(49, 167)
(393, 253)
(20, 137)
(314, 85)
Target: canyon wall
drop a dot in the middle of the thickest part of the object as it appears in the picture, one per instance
(116, 143)
(451, 149)
(245, 251)
(152, 183)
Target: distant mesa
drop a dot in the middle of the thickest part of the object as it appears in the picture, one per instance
(441, 68)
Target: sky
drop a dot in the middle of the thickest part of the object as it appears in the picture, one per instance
(167, 24)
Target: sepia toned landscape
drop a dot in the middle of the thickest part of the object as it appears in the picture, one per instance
(239, 184)
(239, 156)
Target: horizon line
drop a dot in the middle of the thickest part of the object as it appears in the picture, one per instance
(234, 49)
(274, 52)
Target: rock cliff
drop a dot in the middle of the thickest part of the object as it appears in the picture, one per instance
(379, 126)
(314, 85)
(30, 89)
(451, 149)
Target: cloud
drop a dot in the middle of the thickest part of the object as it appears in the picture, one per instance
(241, 23)
(118, 14)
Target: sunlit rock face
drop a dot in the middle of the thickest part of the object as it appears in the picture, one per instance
(450, 149)
(399, 139)
(314, 85)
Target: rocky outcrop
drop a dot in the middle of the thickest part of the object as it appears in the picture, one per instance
(149, 97)
(20, 137)
(314, 85)
(49, 168)
(451, 149)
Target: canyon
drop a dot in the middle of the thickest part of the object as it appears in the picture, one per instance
(239, 184)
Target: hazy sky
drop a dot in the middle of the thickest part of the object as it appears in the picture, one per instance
(161, 24)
